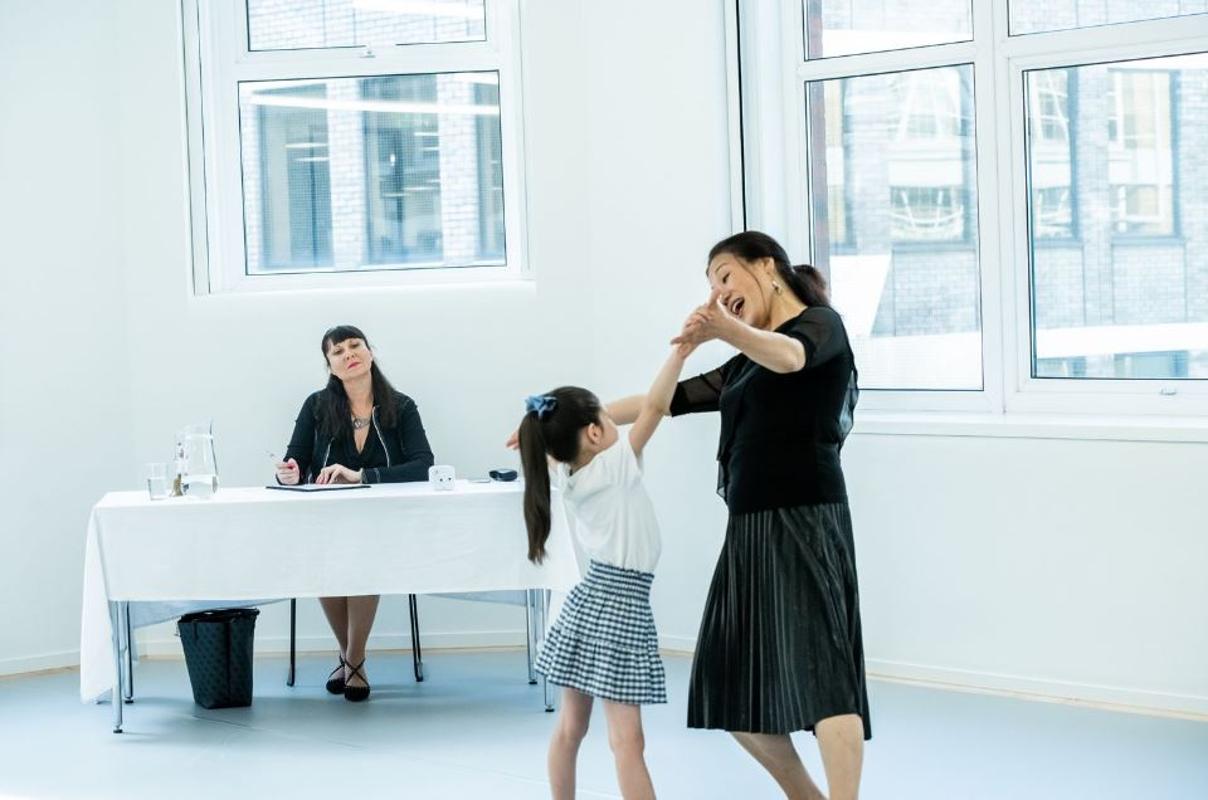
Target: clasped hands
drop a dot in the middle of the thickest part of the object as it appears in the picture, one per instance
(711, 320)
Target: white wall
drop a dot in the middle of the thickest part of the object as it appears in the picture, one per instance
(659, 198)
(65, 409)
(467, 355)
(1070, 568)
(1061, 567)
(96, 255)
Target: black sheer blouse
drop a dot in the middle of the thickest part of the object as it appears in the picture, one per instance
(781, 433)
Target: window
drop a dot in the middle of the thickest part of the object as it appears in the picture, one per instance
(899, 162)
(843, 27)
(835, 169)
(289, 189)
(929, 155)
(1033, 16)
(1008, 223)
(1129, 303)
(1050, 120)
(1139, 152)
(402, 173)
(927, 213)
(311, 24)
(352, 142)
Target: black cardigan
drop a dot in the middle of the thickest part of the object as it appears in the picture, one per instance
(391, 455)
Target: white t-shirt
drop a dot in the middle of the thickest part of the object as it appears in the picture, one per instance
(614, 517)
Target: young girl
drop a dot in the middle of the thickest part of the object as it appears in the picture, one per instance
(603, 644)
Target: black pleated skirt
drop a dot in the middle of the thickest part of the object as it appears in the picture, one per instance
(780, 647)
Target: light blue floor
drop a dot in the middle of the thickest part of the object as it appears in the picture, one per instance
(476, 729)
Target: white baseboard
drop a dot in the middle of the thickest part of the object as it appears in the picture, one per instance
(279, 645)
(1041, 689)
(19, 666)
(1113, 698)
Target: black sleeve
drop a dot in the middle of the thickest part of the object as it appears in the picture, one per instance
(417, 454)
(702, 393)
(301, 443)
(820, 330)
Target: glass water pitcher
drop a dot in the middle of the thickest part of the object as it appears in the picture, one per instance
(198, 464)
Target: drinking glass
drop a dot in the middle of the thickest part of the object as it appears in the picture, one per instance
(157, 481)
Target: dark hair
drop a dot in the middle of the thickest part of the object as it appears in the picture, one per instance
(554, 433)
(333, 411)
(805, 281)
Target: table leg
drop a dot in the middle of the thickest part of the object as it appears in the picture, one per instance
(115, 624)
(417, 654)
(543, 597)
(128, 686)
(293, 641)
(530, 635)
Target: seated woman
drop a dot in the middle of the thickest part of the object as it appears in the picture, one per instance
(357, 429)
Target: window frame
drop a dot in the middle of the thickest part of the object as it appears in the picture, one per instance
(217, 60)
(774, 175)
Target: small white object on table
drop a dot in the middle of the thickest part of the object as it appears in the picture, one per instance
(246, 544)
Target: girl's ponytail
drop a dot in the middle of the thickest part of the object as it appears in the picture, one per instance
(536, 485)
(550, 429)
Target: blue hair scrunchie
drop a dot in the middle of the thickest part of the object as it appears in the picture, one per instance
(541, 404)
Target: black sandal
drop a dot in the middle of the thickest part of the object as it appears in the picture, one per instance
(356, 694)
(335, 685)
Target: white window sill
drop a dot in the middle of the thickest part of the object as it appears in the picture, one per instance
(376, 281)
(1033, 426)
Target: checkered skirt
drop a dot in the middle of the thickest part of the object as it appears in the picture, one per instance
(604, 643)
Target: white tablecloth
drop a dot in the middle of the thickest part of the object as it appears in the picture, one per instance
(252, 543)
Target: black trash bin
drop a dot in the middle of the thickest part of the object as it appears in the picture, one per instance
(218, 654)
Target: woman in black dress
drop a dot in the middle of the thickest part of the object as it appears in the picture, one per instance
(780, 647)
(357, 429)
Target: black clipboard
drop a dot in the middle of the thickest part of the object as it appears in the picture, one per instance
(317, 487)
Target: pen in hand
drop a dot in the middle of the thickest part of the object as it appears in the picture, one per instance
(287, 471)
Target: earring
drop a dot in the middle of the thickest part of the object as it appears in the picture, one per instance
(775, 287)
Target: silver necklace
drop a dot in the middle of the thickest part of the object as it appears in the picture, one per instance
(360, 422)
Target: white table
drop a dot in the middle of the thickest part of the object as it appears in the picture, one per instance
(246, 544)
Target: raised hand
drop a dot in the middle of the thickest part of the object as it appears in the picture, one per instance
(712, 320)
